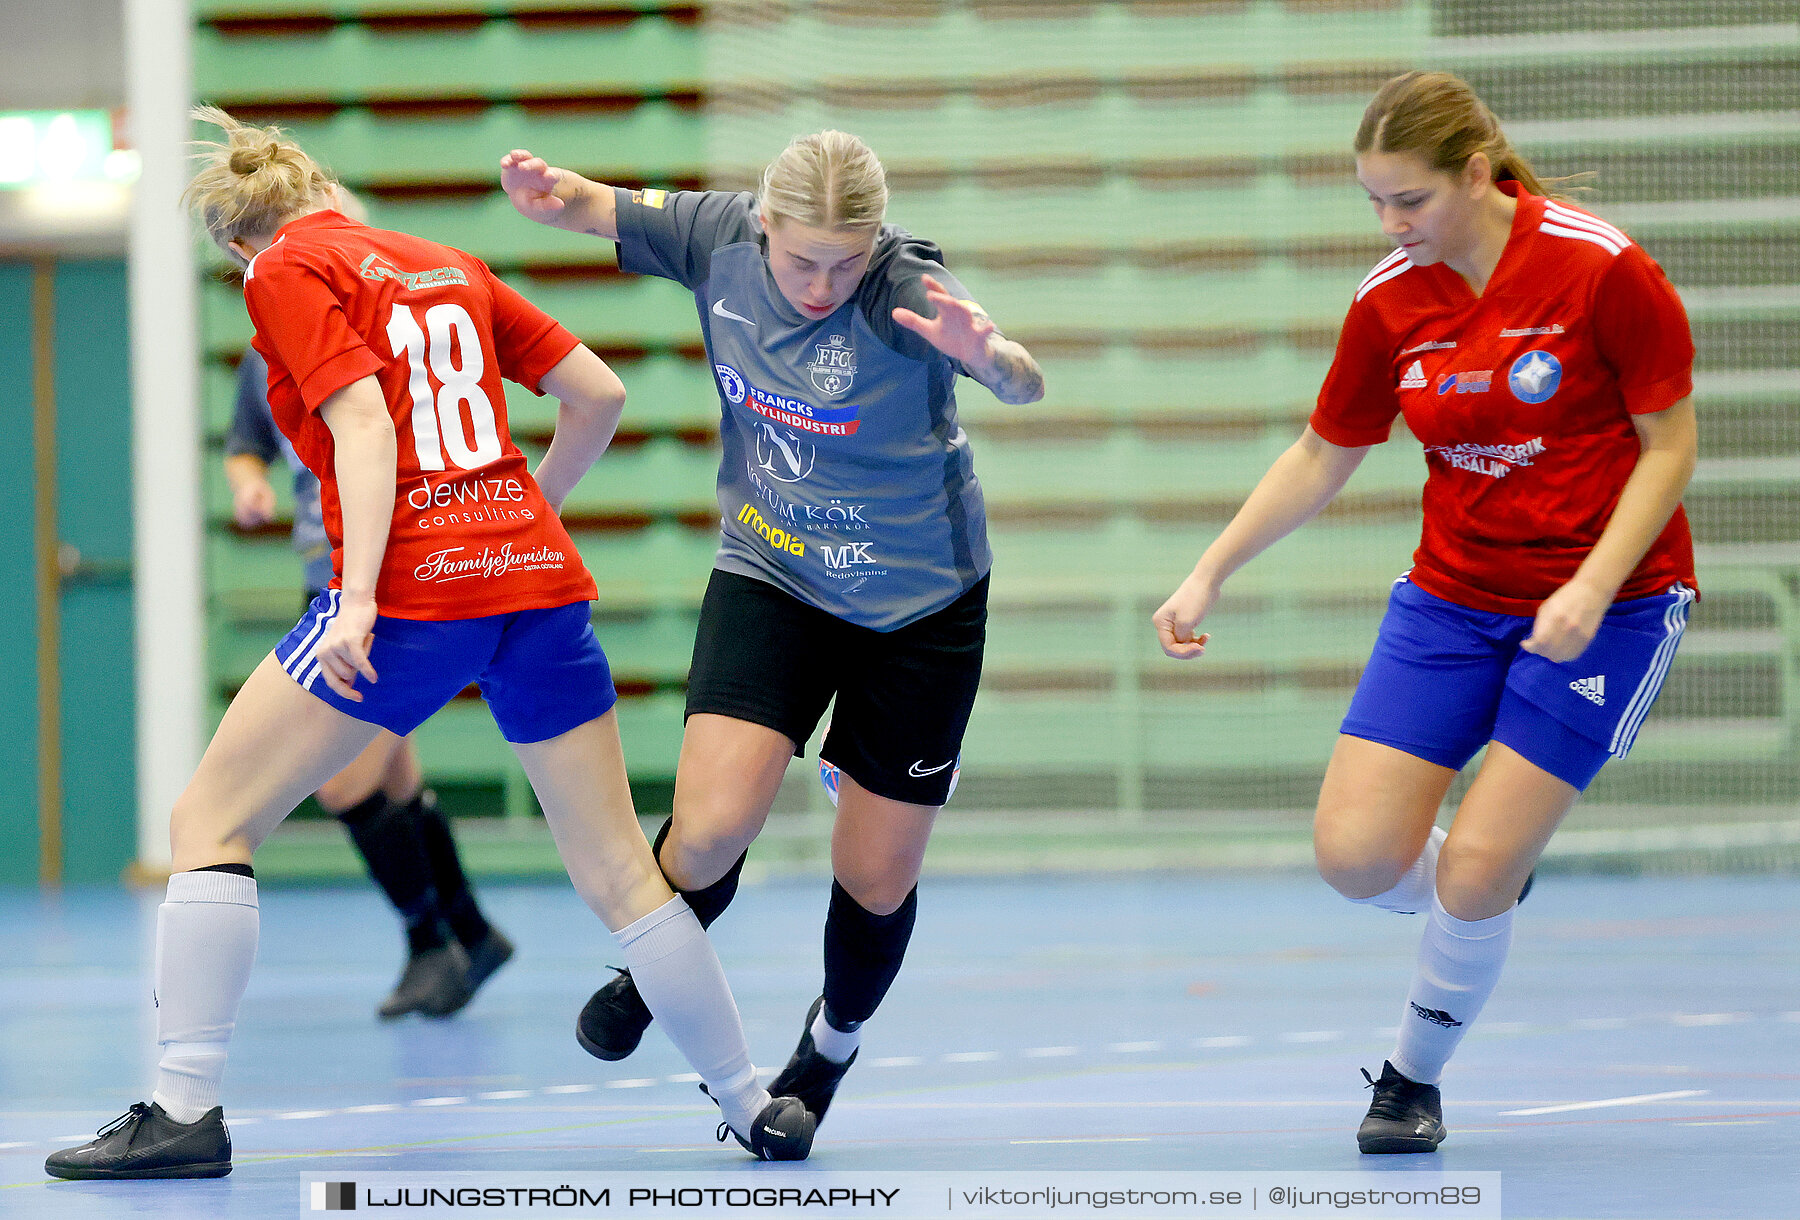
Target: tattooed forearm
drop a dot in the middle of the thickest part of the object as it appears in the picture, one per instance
(1015, 377)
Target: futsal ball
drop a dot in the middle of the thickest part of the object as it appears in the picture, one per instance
(829, 776)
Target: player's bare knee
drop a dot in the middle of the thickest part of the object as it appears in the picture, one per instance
(1354, 865)
(877, 892)
(1476, 881)
(342, 791)
(714, 825)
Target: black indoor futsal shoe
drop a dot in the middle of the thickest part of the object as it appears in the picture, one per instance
(783, 1130)
(810, 1075)
(486, 956)
(614, 1019)
(435, 983)
(1405, 1116)
(144, 1142)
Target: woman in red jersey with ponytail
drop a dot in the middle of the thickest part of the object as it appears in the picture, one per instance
(1544, 361)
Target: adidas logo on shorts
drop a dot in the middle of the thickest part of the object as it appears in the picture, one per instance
(1592, 689)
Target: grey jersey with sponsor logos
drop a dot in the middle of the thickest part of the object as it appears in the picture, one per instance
(846, 479)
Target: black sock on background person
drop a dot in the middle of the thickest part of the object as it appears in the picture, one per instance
(388, 839)
(455, 899)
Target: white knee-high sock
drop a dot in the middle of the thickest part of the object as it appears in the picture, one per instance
(1413, 892)
(1459, 962)
(206, 932)
(679, 976)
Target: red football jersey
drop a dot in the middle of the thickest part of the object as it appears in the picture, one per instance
(1523, 399)
(335, 301)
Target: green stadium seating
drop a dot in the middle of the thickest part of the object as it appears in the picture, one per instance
(498, 60)
(1157, 198)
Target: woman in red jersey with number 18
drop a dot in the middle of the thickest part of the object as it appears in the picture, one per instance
(385, 354)
(1544, 362)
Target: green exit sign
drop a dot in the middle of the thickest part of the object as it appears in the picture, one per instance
(43, 147)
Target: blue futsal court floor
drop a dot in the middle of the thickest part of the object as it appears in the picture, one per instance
(1641, 1057)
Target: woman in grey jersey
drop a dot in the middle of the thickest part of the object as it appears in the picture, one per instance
(853, 559)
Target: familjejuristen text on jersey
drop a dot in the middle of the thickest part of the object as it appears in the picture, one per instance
(846, 479)
(1522, 397)
(335, 301)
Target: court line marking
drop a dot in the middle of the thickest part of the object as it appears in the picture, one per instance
(1638, 1100)
(1216, 1042)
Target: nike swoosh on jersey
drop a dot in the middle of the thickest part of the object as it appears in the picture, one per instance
(721, 311)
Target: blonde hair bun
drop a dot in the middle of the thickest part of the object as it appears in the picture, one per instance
(253, 182)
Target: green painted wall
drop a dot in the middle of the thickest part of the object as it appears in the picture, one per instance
(93, 395)
(18, 614)
(93, 391)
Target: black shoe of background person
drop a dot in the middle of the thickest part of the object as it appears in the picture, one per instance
(486, 956)
(1405, 1116)
(614, 1019)
(144, 1142)
(435, 983)
(1530, 880)
(810, 1075)
(783, 1130)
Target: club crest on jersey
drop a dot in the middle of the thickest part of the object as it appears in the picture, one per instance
(833, 367)
(785, 458)
(1535, 376)
(731, 383)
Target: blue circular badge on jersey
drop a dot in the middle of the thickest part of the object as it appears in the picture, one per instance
(1534, 376)
(730, 382)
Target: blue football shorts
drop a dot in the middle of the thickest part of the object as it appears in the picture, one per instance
(542, 672)
(1444, 680)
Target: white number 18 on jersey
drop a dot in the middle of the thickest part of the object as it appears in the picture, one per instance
(437, 423)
